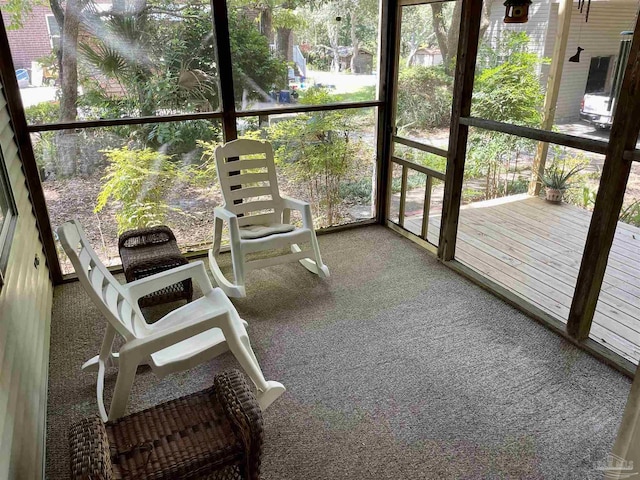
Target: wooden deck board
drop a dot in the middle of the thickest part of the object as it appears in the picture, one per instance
(535, 249)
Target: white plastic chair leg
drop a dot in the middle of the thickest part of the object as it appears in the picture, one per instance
(237, 260)
(247, 346)
(268, 391)
(111, 359)
(126, 375)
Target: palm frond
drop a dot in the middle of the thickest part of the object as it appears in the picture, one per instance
(105, 58)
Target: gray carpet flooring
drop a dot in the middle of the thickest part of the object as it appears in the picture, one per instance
(396, 367)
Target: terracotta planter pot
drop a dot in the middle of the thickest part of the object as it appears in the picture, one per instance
(553, 195)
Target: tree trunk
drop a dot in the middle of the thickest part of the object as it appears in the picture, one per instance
(413, 49)
(440, 29)
(266, 24)
(453, 35)
(58, 14)
(332, 31)
(448, 36)
(283, 40)
(67, 144)
(355, 43)
(69, 81)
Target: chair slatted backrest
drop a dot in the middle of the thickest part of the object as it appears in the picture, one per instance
(103, 289)
(247, 175)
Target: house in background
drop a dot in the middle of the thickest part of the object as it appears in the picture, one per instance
(364, 60)
(37, 38)
(428, 57)
(600, 38)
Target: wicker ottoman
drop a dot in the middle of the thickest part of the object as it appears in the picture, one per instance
(214, 434)
(151, 250)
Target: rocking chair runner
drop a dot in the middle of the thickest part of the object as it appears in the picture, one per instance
(184, 338)
(258, 217)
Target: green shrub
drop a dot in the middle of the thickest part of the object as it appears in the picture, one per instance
(183, 137)
(415, 180)
(43, 112)
(45, 151)
(424, 98)
(631, 213)
(358, 191)
(320, 151)
(506, 90)
(138, 180)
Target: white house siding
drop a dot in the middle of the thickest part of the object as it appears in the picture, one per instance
(536, 27)
(600, 37)
(25, 317)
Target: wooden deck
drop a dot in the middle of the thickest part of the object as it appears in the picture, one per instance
(534, 249)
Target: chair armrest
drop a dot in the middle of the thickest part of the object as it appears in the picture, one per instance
(295, 204)
(173, 334)
(303, 207)
(232, 219)
(158, 281)
(89, 448)
(225, 214)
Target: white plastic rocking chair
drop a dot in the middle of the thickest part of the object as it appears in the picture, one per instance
(258, 217)
(185, 337)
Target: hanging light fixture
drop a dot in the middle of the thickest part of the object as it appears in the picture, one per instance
(517, 11)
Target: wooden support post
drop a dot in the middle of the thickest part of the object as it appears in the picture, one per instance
(403, 195)
(553, 89)
(225, 73)
(462, 91)
(613, 183)
(426, 208)
(390, 18)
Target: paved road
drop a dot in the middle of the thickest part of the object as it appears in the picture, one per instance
(34, 95)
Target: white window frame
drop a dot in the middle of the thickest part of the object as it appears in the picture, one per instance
(50, 17)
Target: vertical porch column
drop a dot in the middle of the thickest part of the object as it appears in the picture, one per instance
(627, 444)
(613, 183)
(390, 19)
(469, 39)
(553, 89)
(225, 73)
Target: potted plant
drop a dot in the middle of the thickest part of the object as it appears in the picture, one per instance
(556, 180)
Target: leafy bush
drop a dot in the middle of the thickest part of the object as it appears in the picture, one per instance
(44, 151)
(631, 213)
(424, 97)
(508, 92)
(358, 191)
(138, 180)
(414, 180)
(255, 69)
(43, 112)
(183, 137)
(320, 151)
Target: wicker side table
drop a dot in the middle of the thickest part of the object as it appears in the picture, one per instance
(151, 250)
(215, 434)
